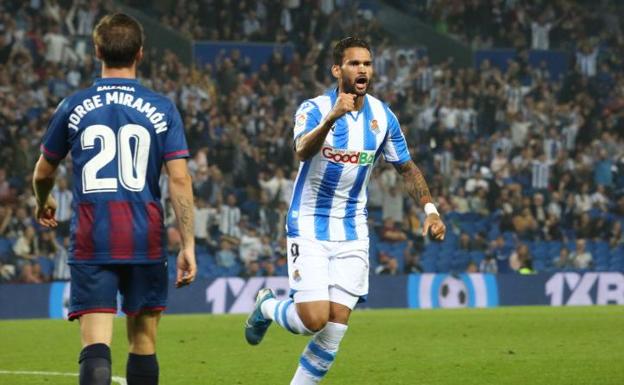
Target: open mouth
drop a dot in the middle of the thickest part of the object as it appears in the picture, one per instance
(361, 82)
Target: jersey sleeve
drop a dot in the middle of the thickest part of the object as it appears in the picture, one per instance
(395, 147)
(55, 144)
(175, 140)
(307, 117)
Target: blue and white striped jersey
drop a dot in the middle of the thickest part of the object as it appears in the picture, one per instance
(330, 194)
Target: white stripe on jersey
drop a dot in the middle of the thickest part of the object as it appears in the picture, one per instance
(329, 197)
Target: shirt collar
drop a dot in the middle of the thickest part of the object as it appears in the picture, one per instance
(101, 81)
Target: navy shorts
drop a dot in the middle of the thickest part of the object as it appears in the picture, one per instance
(94, 288)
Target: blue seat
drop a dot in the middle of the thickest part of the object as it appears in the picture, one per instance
(47, 266)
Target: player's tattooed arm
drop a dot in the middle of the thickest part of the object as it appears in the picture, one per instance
(414, 182)
(416, 186)
(185, 213)
(181, 191)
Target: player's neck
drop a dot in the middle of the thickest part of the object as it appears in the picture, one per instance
(124, 72)
(359, 102)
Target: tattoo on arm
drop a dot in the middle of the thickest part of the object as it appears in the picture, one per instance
(185, 217)
(415, 183)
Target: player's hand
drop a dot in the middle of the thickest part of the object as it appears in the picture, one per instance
(45, 214)
(186, 267)
(434, 227)
(344, 104)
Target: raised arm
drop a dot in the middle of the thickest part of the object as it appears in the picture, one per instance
(181, 192)
(310, 143)
(417, 188)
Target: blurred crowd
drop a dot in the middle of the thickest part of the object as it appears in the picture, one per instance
(522, 24)
(528, 158)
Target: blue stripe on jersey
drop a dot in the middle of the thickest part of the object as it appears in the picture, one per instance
(395, 136)
(327, 188)
(139, 219)
(324, 200)
(292, 225)
(380, 149)
(370, 142)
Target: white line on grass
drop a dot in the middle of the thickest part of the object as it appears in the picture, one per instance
(115, 379)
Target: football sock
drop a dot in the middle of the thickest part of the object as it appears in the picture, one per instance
(319, 355)
(95, 365)
(285, 314)
(142, 369)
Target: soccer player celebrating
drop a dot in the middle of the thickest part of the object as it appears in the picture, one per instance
(338, 138)
(119, 134)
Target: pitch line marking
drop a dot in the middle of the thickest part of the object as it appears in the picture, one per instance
(115, 379)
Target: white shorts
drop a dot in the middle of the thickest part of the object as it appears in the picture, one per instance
(327, 270)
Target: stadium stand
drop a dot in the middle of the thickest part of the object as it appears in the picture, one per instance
(514, 157)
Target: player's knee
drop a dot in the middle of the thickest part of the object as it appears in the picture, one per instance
(315, 322)
(142, 344)
(95, 365)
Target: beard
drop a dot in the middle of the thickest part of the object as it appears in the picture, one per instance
(349, 88)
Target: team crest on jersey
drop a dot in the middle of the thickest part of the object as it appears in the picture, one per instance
(374, 126)
(300, 121)
(296, 276)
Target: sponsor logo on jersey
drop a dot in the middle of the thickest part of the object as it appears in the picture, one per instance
(363, 158)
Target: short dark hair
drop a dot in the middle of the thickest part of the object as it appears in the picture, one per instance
(119, 38)
(345, 43)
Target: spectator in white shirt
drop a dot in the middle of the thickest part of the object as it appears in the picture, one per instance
(64, 199)
(230, 216)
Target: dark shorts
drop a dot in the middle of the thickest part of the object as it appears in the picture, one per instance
(94, 288)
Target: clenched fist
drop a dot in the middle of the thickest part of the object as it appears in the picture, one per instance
(344, 104)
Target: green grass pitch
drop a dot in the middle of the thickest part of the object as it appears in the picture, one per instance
(528, 345)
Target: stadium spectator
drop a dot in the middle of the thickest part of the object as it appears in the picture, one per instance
(411, 256)
(387, 265)
(518, 258)
(581, 257)
(390, 232)
(488, 264)
(63, 197)
(563, 260)
(225, 257)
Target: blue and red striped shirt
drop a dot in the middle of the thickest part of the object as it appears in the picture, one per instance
(119, 134)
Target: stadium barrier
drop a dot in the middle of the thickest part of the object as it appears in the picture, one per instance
(418, 291)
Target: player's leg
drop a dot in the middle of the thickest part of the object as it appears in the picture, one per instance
(320, 353)
(308, 311)
(93, 301)
(96, 332)
(142, 366)
(144, 291)
(348, 271)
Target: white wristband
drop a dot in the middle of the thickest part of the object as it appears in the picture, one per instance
(431, 209)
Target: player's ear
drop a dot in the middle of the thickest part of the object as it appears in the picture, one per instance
(139, 55)
(335, 70)
(98, 53)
